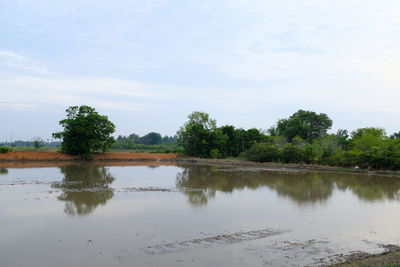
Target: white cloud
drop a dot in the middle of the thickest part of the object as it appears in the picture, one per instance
(29, 92)
(11, 62)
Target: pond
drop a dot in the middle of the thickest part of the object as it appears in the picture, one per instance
(191, 215)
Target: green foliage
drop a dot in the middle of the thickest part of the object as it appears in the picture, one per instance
(261, 152)
(195, 135)
(133, 141)
(342, 138)
(215, 154)
(312, 153)
(85, 131)
(3, 171)
(151, 139)
(395, 136)
(306, 124)
(200, 135)
(5, 149)
(290, 154)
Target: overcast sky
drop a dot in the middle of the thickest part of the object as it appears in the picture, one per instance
(148, 64)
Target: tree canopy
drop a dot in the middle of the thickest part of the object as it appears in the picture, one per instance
(85, 131)
(307, 125)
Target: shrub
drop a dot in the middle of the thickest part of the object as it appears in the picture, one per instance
(262, 152)
(312, 154)
(5, 149)
(215, 154)
(290, 154)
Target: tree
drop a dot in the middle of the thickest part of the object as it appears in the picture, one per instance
(196, 135)
(85, 131)
(306, 124)
(151, 138)
(37, 142)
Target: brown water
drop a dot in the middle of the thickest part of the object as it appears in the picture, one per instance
(191, 215)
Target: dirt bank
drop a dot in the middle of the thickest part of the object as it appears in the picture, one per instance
(43, 159)
(55, 156)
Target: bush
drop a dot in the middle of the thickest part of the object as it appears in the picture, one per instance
(5, 149)
(290, 154)
(262, 152)
(312, 154)
(215, 154)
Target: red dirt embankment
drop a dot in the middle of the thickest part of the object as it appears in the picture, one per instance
(55, 156)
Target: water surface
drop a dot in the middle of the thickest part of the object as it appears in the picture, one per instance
(191, 215)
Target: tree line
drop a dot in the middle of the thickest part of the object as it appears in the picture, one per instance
(301, 138)
(152, 138)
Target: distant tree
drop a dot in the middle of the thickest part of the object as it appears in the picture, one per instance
(151, 138)
(37, 142)
(342, 138)
(395, 136)
(306, 124)
(85, 131)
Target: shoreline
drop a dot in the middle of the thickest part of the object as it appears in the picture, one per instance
(273, 166)
(45, 159)
(390, 257)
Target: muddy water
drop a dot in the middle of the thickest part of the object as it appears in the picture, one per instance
(191, 215)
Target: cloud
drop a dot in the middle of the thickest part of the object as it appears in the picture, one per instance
(12, 62)
(30, 92)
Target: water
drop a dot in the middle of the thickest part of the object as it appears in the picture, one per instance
(191, 215)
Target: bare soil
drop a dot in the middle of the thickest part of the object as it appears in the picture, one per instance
(48, 159)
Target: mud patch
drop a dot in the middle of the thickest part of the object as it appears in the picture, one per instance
(212, 241)
(145, 189)
(359, 258)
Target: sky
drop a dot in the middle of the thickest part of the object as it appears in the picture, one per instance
(148, 64)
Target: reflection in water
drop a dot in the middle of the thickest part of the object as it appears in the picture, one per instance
(84, 188)
(3, 171)
(200, 183)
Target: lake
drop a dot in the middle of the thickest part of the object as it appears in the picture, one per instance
(191, 215)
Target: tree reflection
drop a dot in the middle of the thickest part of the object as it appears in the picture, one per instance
(200, 184)
(3, 171)
(84, 188)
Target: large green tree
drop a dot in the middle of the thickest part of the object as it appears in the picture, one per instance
(196, 135)
(307, 125)
(85, 131)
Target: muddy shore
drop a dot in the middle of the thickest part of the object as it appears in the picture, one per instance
(47, 159)
(281, 166)
(391, 257)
